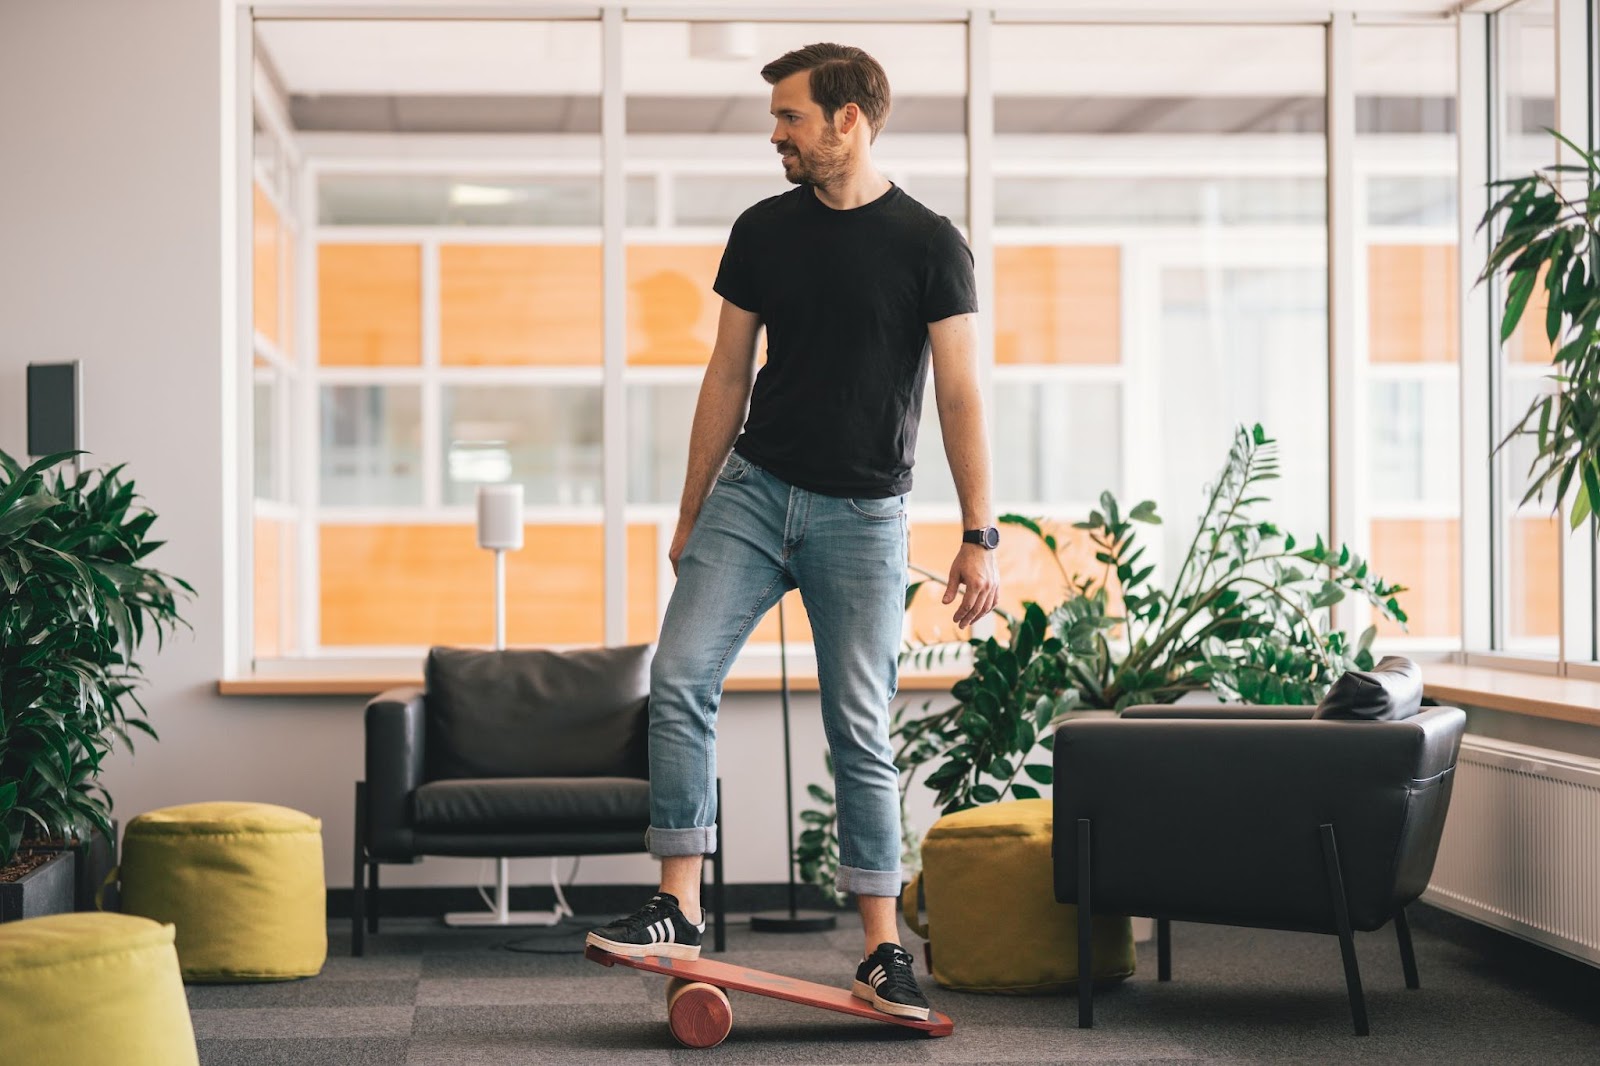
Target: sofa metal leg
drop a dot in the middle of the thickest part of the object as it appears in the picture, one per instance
(358, 930)
(1347, 936)
(1085, 932)
(372, 898)
(1163, 950)
(1408, 957)
(718, 902)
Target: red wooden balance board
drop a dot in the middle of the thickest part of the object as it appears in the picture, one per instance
(697, 1005)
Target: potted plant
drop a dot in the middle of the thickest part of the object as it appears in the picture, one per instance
(1243, 618)
(76, 605)
(1548, 234)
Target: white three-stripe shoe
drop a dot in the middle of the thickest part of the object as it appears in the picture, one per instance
(886, 980)
(658, 928)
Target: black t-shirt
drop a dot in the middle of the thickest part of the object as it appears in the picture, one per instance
(846, 297)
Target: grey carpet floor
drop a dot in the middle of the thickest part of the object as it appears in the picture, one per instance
(425, 995)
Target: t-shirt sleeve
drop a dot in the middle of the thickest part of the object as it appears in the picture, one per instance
(948, 287)
(737, 281)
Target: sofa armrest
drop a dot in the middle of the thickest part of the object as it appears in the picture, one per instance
(394, 766)
(1232, 711)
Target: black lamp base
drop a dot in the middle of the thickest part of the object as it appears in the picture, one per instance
(793, 922)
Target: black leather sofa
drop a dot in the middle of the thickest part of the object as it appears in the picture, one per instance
(1253, 816)
(518, 753)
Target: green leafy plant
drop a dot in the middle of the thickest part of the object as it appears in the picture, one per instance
(1549, 222)
(77, 601)
(1245, 618)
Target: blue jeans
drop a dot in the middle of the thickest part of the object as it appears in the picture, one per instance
(756, 538)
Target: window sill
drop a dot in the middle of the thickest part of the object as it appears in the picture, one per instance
(368, 686)
(1566, 699)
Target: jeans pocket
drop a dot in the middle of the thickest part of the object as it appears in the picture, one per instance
(882, 509)
(734, 468)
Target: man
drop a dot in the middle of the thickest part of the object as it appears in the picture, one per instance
(855, 282)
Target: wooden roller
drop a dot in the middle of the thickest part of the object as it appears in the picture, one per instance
(698, 1013)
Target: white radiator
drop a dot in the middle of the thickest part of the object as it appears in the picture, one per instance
(1521, 848)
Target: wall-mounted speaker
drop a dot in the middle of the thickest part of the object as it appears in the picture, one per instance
(55, 408)
(500, 517)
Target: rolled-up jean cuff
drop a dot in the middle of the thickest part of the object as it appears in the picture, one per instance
(869, 882)
(697, 840)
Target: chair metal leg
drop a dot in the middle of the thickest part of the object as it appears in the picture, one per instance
(372, 898)
(1085, 933)
(358, 928)
(1163, 950)
(1408, 957)
(1347, 936)
(718, 902)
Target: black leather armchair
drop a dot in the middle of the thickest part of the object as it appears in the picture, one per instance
(502, 754)
(1252, 816)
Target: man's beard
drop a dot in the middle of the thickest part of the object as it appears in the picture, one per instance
(822, 164)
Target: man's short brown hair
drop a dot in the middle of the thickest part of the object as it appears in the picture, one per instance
(840, 75)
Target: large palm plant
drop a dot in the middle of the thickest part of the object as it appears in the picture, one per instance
(75, 606)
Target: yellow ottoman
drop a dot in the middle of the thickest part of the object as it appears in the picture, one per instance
(78, 988)
(241, 881)
(993, 921)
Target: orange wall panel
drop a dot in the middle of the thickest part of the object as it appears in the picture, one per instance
(1412, 304)
(264, 266)
(1424, 555)
(432, 584)
(1533, 578)
(672, 312)
(369, 304)
(1058, 304)
(269, 582)
(643, 610)
(516, 305)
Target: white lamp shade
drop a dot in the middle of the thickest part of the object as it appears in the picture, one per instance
(500, 517)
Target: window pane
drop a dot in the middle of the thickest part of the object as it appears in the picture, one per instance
(369, 304)
(1409, 486)
(1414, 458)
(264, 267)
(659, 420)
(1057, 443)
(510, 305)
(264, 414)
(546, 437)
(672, 312)
(1059, 304)
(371, 445)
(1238, 347)
(1178, 201)
(474, 200)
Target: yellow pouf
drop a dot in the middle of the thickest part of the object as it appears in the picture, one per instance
(82, 988)
(993, 921)
(241, 881)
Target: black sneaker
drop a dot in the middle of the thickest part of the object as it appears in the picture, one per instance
(886, 980)
(658, 928)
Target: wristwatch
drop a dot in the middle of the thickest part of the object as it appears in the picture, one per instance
(987, 537)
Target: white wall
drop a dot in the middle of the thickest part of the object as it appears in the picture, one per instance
(113, 252)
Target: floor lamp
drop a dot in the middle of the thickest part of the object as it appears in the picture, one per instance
(794, 920)
(500, 529)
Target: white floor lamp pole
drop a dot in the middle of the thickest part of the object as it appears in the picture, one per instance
(500, 529)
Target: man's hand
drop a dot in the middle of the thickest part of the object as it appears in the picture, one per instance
(976, 569)
(680, 537)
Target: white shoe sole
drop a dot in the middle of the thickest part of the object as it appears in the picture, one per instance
(862, 990)
(645, 951)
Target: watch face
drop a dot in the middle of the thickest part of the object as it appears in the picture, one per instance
(991, 537)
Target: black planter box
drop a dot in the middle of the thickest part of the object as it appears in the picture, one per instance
(47, 889)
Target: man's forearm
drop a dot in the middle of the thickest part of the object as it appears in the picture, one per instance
(718, 414)
(966, 445)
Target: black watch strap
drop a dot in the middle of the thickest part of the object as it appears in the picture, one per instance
(987, 537)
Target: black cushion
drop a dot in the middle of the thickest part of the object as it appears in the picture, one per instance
(1389, 691)
(525, 804)
(536, 713)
